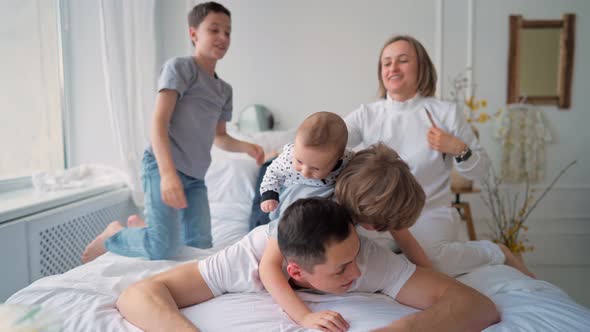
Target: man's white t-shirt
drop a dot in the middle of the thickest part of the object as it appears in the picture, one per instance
(235, 268)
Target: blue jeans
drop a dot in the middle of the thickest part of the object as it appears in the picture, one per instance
(257, 216)
(167, 228)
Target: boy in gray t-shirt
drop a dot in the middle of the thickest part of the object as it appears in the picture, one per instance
(192, 107)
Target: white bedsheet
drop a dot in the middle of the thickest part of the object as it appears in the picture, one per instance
(85, 296)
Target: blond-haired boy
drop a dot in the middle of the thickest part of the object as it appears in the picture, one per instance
(381, 194)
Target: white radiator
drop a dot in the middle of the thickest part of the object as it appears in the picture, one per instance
(57, 237)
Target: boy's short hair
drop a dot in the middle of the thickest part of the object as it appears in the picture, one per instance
(378, 189)
(308, 226)
(426, 84)
(324, 129)
(200, 11)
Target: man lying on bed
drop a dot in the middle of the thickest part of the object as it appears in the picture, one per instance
(322, 252)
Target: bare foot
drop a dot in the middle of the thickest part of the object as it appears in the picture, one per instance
(515, 262)
(96, 247)
(135, 221)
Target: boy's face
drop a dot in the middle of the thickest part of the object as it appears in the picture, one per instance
(340, 269)
(212, 36)
(312, 162)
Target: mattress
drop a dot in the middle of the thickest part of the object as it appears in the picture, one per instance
(84, 297)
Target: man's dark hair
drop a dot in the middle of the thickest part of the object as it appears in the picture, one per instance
(200, 11)
(308, 226)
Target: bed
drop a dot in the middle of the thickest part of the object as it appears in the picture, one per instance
(84, 297)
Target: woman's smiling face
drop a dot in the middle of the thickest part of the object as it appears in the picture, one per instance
(399, 70)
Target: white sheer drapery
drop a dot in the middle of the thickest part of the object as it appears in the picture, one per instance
(128, 47)
(31, 136)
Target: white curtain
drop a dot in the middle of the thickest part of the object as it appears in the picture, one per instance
(31, 136)
(128, 48)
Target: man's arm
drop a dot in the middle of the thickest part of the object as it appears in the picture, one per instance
(152, 304)
(448, 305)
(411, 248)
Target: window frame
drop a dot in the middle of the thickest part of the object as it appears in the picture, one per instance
(18, 183)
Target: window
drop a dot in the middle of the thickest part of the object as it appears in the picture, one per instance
(31, 135)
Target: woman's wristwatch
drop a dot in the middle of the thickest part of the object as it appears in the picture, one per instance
(463, 155)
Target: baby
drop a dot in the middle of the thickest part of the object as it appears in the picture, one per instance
(315, 159)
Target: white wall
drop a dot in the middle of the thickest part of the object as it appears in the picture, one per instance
(568, 127)
(301, 57)
(298, 57)
(328, 61)
(560, 226)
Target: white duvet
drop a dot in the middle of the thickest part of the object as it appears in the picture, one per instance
(85, 296)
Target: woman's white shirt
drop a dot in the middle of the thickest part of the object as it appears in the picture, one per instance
(403, 126)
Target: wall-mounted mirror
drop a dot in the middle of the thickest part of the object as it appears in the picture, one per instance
(540, 60)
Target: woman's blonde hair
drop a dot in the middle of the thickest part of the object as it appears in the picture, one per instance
(426, 85)
(378, 189)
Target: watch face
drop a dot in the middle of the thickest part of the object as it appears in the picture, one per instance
(464, 156)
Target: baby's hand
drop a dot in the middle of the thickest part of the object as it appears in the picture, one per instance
(269, 205)
(326, 320)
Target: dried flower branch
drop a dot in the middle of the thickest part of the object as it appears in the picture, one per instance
(471, 107)
(509, 215)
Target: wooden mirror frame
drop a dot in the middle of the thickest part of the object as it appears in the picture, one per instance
(565, 66)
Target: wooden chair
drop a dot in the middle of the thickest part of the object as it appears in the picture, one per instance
(464, 209)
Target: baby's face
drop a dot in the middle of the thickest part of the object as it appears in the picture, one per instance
(312, 162)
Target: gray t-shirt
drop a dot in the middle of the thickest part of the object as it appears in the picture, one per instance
(202, 102)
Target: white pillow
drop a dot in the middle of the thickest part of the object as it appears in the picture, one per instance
(272, 140)
(231, 178)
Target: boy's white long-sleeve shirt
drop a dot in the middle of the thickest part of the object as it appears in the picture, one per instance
(403, 126)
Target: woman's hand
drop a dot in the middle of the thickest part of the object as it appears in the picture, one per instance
(444, 142)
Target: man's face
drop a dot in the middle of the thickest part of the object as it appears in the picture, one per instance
(340, 269)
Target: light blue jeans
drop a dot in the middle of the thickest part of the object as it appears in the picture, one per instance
(167, 228)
